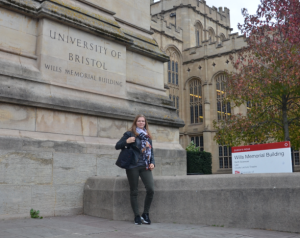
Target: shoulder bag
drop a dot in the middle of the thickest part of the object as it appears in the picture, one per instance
(124, 158)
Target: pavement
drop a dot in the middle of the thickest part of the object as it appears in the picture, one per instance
(92, 227)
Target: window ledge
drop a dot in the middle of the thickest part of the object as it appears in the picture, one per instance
(224, 171)
(196, 124)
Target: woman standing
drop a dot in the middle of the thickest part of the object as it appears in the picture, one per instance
(139, 140)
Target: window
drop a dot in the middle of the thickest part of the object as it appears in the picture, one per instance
(225, 159)
(197, 37)
(222, 37)
(196, 109)
(249, 106)
(176, 73)
(173, 72)
(177, 105)
(211, 35)
(169, 72)
(223, 107)
(175, 102)
(198, 33)
(198, 141)
(295, 157)
(173, 77)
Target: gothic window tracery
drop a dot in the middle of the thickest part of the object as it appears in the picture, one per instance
(223, 107)
(211, 35)
(173, 77)
(196, 106)
(225, 158)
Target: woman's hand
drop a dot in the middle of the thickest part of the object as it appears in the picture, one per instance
(130, 140)
(151, 167)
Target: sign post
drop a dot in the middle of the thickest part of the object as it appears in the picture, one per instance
(263, 158)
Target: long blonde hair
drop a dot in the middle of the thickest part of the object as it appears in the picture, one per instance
(133, 127)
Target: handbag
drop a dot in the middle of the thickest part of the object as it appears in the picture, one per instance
(124, 158)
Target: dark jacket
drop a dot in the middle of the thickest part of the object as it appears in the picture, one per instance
(135, 147)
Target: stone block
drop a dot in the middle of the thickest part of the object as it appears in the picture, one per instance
(73, 168)
(25, 168)
(66, 123)
(43, 199)
(18, 22)
(15, 200)
(136, 12)
(52, 146)
(173, 166)
(10, 143)
(13, 27)
(84, 61)
(158, 167)
(143, 70)
(111, 128)
(164, 134)
(106, 165)
(69, 199)
(11, 41)
(17, 117)
(260, 201)
(94, 200)
(100, 146)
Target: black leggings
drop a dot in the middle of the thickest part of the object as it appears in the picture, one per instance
(133, 179)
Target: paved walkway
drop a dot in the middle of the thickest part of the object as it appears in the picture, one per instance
(91, 227)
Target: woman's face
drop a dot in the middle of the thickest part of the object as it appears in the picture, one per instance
(140, 123)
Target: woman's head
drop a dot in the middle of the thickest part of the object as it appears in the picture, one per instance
(141, 122)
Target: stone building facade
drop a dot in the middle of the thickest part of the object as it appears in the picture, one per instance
(73, 76)
(198, 39)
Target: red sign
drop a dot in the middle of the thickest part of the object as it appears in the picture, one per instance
(278, 145)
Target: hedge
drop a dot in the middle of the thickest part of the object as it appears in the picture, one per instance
(199, 162)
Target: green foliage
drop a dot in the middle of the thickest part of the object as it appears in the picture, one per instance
(192, 147)
(35, 214)
(199, 162)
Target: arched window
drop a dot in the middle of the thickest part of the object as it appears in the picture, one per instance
(222, 37)
(173, 71)
(211, 35)
(173, 77)
(223, 107)
(198, 33)
(196, 109)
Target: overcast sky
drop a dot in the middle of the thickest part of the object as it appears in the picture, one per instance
(235, 7)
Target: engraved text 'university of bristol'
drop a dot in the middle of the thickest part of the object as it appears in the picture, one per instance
(88, 46)
(84, 60)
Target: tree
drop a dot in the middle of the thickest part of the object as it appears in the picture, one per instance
(266, 77)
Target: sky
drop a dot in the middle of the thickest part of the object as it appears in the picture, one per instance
(235, 7)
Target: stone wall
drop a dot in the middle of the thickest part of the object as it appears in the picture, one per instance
(73, 76)
(258, 201)
(46, 157)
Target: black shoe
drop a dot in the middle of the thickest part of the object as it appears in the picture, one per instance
(137, 220)
(145, 219)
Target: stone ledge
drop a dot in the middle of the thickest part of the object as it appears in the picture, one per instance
(260, 201)
(40, 94)
(87, 21)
